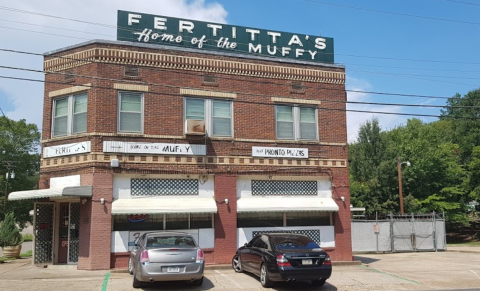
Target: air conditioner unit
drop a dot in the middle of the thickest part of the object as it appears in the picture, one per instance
(194, 127)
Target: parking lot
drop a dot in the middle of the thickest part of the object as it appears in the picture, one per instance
(458, 268)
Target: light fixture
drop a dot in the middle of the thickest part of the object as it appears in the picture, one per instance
(102, 200)
(226, 201)
(400, 191)
(342, 198)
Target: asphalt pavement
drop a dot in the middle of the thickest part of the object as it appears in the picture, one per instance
(455, 269)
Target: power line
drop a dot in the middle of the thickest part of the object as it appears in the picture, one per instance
(230, 78)
(253, 102)
(463, 2)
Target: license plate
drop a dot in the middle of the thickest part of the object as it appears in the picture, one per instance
(173, 269)
(306, 262)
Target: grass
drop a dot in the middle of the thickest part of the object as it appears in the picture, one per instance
(26, 255)
(28, 237)
(466, 244)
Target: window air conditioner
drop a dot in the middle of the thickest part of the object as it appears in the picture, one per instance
(194, 127)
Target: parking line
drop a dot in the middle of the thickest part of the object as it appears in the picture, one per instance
(105, 282)
(394, 276)
(475, 273)
(229, 279)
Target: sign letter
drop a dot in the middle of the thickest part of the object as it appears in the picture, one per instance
(133, 18)
(187, 25)
(160, 23)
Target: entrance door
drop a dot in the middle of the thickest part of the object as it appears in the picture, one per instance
(43, 227)
(63, 233)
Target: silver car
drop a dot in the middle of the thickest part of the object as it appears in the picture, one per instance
(166, 256)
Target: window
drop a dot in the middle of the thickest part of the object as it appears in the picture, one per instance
(130, 112)
(69, 115)
(283, 219)
(296, 123)
(171, 221)
(216, 113)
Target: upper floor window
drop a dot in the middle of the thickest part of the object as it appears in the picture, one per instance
(130, 112)
(296, 123)
(216, 113)
(69, 115)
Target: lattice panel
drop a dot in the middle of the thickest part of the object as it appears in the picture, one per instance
(314, 234)
(73, 248)
(284, 188)
(43, 233)
(164, 187)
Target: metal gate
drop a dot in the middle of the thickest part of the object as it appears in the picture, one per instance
(44, 230)
(74, 231)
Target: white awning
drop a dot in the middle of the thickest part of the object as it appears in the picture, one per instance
(63, 192)
(164, 205)
(284, 204)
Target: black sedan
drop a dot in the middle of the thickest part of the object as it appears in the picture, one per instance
(283, 257)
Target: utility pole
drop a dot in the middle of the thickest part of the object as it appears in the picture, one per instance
(9, 174)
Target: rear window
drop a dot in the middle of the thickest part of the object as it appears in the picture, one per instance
(170, 241)
(293, 242)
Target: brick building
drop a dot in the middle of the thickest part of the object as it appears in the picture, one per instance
(220, 144)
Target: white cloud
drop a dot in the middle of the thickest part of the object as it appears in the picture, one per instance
(27, 97)
(357, 119)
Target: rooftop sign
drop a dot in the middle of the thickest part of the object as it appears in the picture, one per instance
(155, 29)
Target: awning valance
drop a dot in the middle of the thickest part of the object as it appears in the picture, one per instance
(63, 192)
(164, 205)
(285, 204)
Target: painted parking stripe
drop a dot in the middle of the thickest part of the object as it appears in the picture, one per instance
(394, 276)
(105, 282)
(229, 279)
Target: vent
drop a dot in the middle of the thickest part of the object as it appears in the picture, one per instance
(69, 75)
(209, 79)
(297, 86)
(194, 127)
(131, 71)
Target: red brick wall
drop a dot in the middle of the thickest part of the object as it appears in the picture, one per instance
(225, 219)
(342, 221)
(96, 223)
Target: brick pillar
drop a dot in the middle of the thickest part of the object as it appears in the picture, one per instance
(225, 219)
(342, 220)
(96, 223)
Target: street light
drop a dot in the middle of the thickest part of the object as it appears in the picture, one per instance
(399, 165)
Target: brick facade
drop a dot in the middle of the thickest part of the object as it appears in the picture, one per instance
(163, 73)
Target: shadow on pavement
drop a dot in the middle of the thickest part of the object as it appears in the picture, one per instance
(365, 260)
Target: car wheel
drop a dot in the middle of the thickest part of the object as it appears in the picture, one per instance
(136, 283)
(130, 266)
(320, 282)
(198, 282)
(264, 277)
(237, 264)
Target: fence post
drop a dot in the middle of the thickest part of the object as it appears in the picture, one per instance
(392, 246)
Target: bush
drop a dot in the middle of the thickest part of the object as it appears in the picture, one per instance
(9, 234)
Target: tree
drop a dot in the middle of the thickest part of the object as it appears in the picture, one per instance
(19, 143)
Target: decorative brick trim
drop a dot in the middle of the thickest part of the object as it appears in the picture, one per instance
(69, 90)
(207, 93)
(296, 101)
(186, 160)
(130, 87)
(211, 66)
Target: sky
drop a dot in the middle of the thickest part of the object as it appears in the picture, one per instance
(405, 50)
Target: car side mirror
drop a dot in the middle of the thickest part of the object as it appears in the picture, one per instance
(245, 245)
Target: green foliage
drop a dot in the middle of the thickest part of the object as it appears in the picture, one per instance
(9, 233)
(19, 143)
(27, 254)
(28, 237)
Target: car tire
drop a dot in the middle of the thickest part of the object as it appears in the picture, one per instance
(130, 266)
(265, 277)
(237, 264)
(320, 282)
(136, 283)
(198, 282)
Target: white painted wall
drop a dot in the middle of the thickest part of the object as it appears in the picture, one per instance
(327, 234)
(205, 238)
(67, 181)
(121, 185)
(244, 185)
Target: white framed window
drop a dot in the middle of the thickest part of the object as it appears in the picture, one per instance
(130, 112)
(296, 123)
(217, 114)
(69, 115)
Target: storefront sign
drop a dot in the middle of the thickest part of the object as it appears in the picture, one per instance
(275, 152)
(137, 217)
(67, 149)
(155, 29)
(153, 148)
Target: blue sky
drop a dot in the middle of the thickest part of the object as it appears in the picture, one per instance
(434, 54)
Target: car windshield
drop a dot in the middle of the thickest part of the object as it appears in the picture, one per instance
(170, 242)
(293, 242)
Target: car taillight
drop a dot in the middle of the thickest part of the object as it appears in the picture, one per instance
(144, 257)
(282, 261)
(200, 256)
(327, 261)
